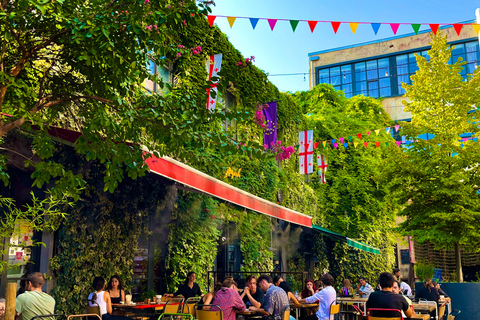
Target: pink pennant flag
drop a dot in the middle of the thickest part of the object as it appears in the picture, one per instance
(272, 23)
(398, 143)
(368, 133)
(312, 25)
(341, 140)
(394, 27)
(335, 26)
(335, 145)
(397, 127)
(464, 139)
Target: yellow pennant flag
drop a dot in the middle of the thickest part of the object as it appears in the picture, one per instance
(476, 27)
(355, 144)
(377, 132)
(324, 143)
(353, 26)
(231, 21)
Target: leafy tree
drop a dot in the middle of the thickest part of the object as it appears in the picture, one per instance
(355, 200)
(436, 177)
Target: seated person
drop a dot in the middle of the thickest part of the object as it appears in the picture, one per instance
(2, 308)
(228, 300)
(325, 298)
(207, 299)
(364, 289)
(396, 289)
(347, 289)
(277, 280)
(188, 289)
(287, 289)
(252, 296)
(276, 300)
(386, 299)
(115, 289)
(33, 301)
(440, 291)
(102, 299)
(428, 292)
(405, 288)
(309, 290)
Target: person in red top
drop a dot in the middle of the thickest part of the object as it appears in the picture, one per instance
(229, 300)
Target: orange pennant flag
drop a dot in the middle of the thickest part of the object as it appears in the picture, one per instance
(476, 27)
(231, 21)
(377, 144)
(365, 144)
(353, 26)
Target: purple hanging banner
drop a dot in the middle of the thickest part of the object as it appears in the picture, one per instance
(270, 132)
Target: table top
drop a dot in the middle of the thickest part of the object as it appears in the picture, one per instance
(354, 300)
(138, 305)
(304, 305)
(247, 312)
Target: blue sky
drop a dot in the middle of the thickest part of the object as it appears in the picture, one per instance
(281, 51)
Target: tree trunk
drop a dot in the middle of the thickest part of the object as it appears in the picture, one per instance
(458, 261)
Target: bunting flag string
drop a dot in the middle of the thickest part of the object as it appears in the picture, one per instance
(353, 24)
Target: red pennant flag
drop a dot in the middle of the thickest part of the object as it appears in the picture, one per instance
(434, 27)
(359, 135)
(315, 145)
(272, 23)
(335, 26)
(394, 27)
(211, 19)
(377, 144)
(365, 144)
(312, 25)
(458, 27)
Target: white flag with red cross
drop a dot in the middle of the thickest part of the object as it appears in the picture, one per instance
(213, 68)
(306, 151)
(322, 167)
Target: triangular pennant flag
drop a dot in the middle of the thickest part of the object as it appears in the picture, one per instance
(231, 21)
(350, 138)
(476, 27)
(386, 143)
(324, 144)
(355, 144)
(315, 145)
(335, 26)
(211, 19)
(464, 139)
(377, 132)
(365, 144)
(345, 145)
(434, 27)
(296, 147)
(377, 144)
(397, 127)
(272, 23)
(375, 27)
(388, 130)
(398, 143)
(333, 141)
(368, 133)
(312, 25)
(341, 140)
(335, 145)
(359, 135)
(416, 27)
(353, 26)
(294, 24)
(458, 27)
(394, 27)
(254, 22)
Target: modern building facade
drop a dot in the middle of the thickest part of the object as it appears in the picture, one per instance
(378, 68)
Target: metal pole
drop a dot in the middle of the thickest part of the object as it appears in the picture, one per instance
(10, 301)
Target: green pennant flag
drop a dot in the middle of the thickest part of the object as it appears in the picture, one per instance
(296, 147)
(294, 24)
(350, 138)
(416, 27)
(386, 143)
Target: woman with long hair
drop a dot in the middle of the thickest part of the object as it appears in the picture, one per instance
(428, 292)
(347, 289)
(115, 289)
(189, 288)
(309, 290)
(101, 298)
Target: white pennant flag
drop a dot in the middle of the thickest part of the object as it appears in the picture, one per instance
(213, 68)
(305, 153)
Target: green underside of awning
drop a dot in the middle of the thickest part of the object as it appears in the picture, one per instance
(350, 242)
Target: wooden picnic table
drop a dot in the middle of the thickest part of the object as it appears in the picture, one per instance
(355, 300)
(247, 313)
(138, 305)
(423, 307)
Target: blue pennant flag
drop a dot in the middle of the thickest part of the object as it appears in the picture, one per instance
(254, 22)
(345, 144)
(333, 141)
(375, 27)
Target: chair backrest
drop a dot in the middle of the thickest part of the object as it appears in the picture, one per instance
(164, 298)
(173, 305)
(88, 316)
(357, 309)
(441, 311)
(93, 308)
(177, 316)
(369, 317)
(209, 314)
(286, 313)
(334, 308)
(52, 316)
(189, 305)
(453, 314)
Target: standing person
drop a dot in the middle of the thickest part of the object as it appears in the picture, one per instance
(228, 300)
(397, 274)
(276, 298)
(387, 299)
(115, 289)
(252, 296)
(364, 289)
(102, 299)
(189, 288)
(325, 298)
(33, 301)
(428, 292)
